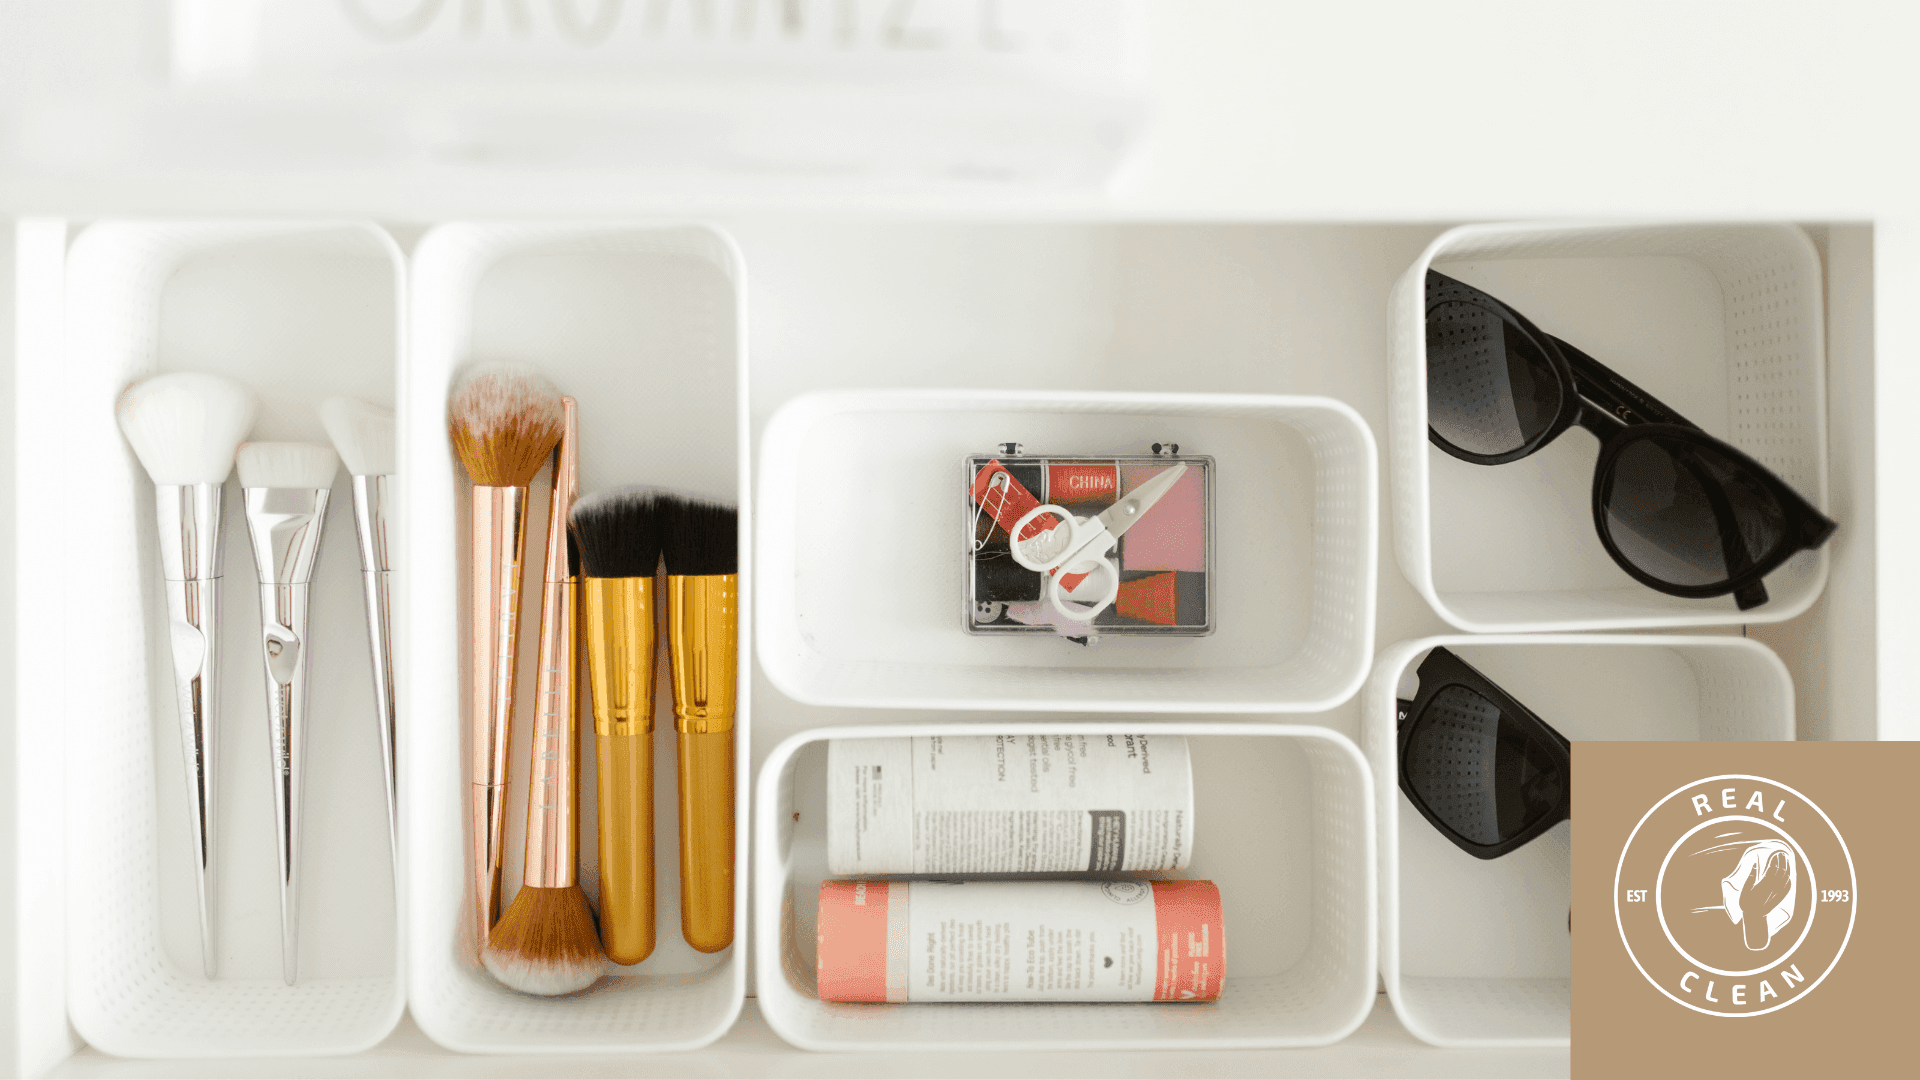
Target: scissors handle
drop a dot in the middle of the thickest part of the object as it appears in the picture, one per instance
(1073, 579)
(1058, 545)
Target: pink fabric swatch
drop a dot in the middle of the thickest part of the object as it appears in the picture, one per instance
(1172, 535)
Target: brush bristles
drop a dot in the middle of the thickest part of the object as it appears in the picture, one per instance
(287, 465)
(618, 532)
(185, 427)
(363, 434)
(546, 943)
(700, 537)
(504, 420)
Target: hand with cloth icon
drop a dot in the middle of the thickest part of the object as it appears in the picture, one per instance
(1761, 890)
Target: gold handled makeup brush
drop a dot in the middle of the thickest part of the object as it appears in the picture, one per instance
(185, 428)
(546, 942)
(504, 421)
(618, 538)
(700, 543)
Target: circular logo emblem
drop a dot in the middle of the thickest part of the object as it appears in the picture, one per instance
(1735, 895)
(1127, 892)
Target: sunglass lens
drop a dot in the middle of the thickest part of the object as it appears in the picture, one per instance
(1490, 388)
(1484, 774)
(1687, 514)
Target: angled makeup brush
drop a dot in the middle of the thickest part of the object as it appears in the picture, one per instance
(546, 943)
(364, 436)
(617, 534)
(185, 428)
(700, 545)
(504, 421)
(286, 486)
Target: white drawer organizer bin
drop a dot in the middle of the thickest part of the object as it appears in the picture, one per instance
(296, 312)
(1475, 952)
(645, 325)
(863, 542)
(1283, 823)
(1722, 322)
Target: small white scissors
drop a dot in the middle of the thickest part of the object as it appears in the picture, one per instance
(1080, 546)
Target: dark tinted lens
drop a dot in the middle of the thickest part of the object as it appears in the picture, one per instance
(1688, 514)
(1490, 390)
(1487, 776)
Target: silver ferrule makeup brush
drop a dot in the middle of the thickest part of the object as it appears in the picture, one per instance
(184, 428)
(286, 487)
(364, 436)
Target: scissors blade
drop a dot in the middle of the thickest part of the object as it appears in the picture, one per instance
(1120, 517)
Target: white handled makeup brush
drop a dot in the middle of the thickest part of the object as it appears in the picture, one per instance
(364, 436)
(184, 428)
(286, 487)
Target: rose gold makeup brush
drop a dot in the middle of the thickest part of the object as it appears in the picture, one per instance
(504, 420)
(547, 943)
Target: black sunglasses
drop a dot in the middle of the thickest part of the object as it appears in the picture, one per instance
(1676, 508)
(1478, 765)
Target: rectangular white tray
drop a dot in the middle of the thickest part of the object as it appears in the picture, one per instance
(645, 326)
(297, 312)
(1283, 824)
(1477, 952)
(862, 550)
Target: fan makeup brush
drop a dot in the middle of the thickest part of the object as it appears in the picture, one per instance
(504, 421)
(185, 428)
(363, 434)
(617, 535)
(700, 545)
(286, 486)
(546, 943)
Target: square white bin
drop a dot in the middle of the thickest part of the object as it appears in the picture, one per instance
(1476, 952)
(1724, 323)
(296, 312)
(1283, 823)
(863, 552)
(645, 326)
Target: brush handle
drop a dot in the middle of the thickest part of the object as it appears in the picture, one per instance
(371, 495)
(283, 645)
(620, 666)
(703, 635)
(192, 556)
(553, 795)
(499, 549)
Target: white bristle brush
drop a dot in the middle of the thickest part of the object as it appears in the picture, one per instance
(286, 486)
(184, 428)
(364, 435)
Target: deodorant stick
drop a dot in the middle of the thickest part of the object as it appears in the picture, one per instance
(1020, 941)
(986, 804)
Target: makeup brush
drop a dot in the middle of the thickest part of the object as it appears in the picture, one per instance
(546, 943)
(185, 428)
(286, 486)
(701, 547)
(504, 421)
(617, 534)
(364, 436)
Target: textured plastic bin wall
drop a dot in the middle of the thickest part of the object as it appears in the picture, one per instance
(1476, 952)
(645, 326)
(1296, 881)
(1724, 323)
(297, 312)
(862, 552)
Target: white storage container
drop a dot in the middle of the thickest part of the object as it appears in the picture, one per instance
(297, 312)
(863, 552)
(643, 324)
(1477, 952)
(1724, 323)
(1283, 824)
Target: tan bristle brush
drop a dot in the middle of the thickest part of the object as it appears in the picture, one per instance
(547, 943)
(618, 538)
(504, 420)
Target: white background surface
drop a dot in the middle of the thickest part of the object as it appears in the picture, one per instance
(1263, 112)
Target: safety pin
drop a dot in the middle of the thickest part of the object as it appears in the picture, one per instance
(1000, 480)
